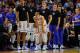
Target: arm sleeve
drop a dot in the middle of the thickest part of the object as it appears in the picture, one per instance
(17, 8)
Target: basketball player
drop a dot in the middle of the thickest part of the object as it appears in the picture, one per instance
(40, 31)
(54, 26)
(76, 25)
(37, 42)
(44, 11)
(22, 20)
(31, 12)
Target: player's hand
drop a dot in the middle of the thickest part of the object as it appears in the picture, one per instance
(17, 22)
(57, 28)
(72, 32)
(48, 26)
(27, 24)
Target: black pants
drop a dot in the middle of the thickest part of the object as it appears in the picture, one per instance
(70, 41)
(77, 31)
(65, 38)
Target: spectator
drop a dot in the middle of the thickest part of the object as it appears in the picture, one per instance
(76, 24)
(11, 18)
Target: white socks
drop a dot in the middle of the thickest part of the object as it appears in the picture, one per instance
(13, 37)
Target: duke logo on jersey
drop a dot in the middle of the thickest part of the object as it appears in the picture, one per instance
(24, 9)
(43, 11)
(31, 10)
(53, 13)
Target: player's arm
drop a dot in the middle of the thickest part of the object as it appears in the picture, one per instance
(43, 21)
(34, 18)
(58, 23)
(76, 21)
(50, 19)
(6, 21)
(44, 24)
(17, 16)
(64, 23)
(27, 19)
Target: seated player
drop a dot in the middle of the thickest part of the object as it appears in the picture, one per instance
(69, 35)
(11, 22)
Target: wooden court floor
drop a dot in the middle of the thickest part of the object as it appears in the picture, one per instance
(47, 51)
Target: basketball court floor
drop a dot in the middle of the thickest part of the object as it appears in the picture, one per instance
(47, 51)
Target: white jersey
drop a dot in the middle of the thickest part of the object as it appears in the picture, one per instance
(41, 24)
